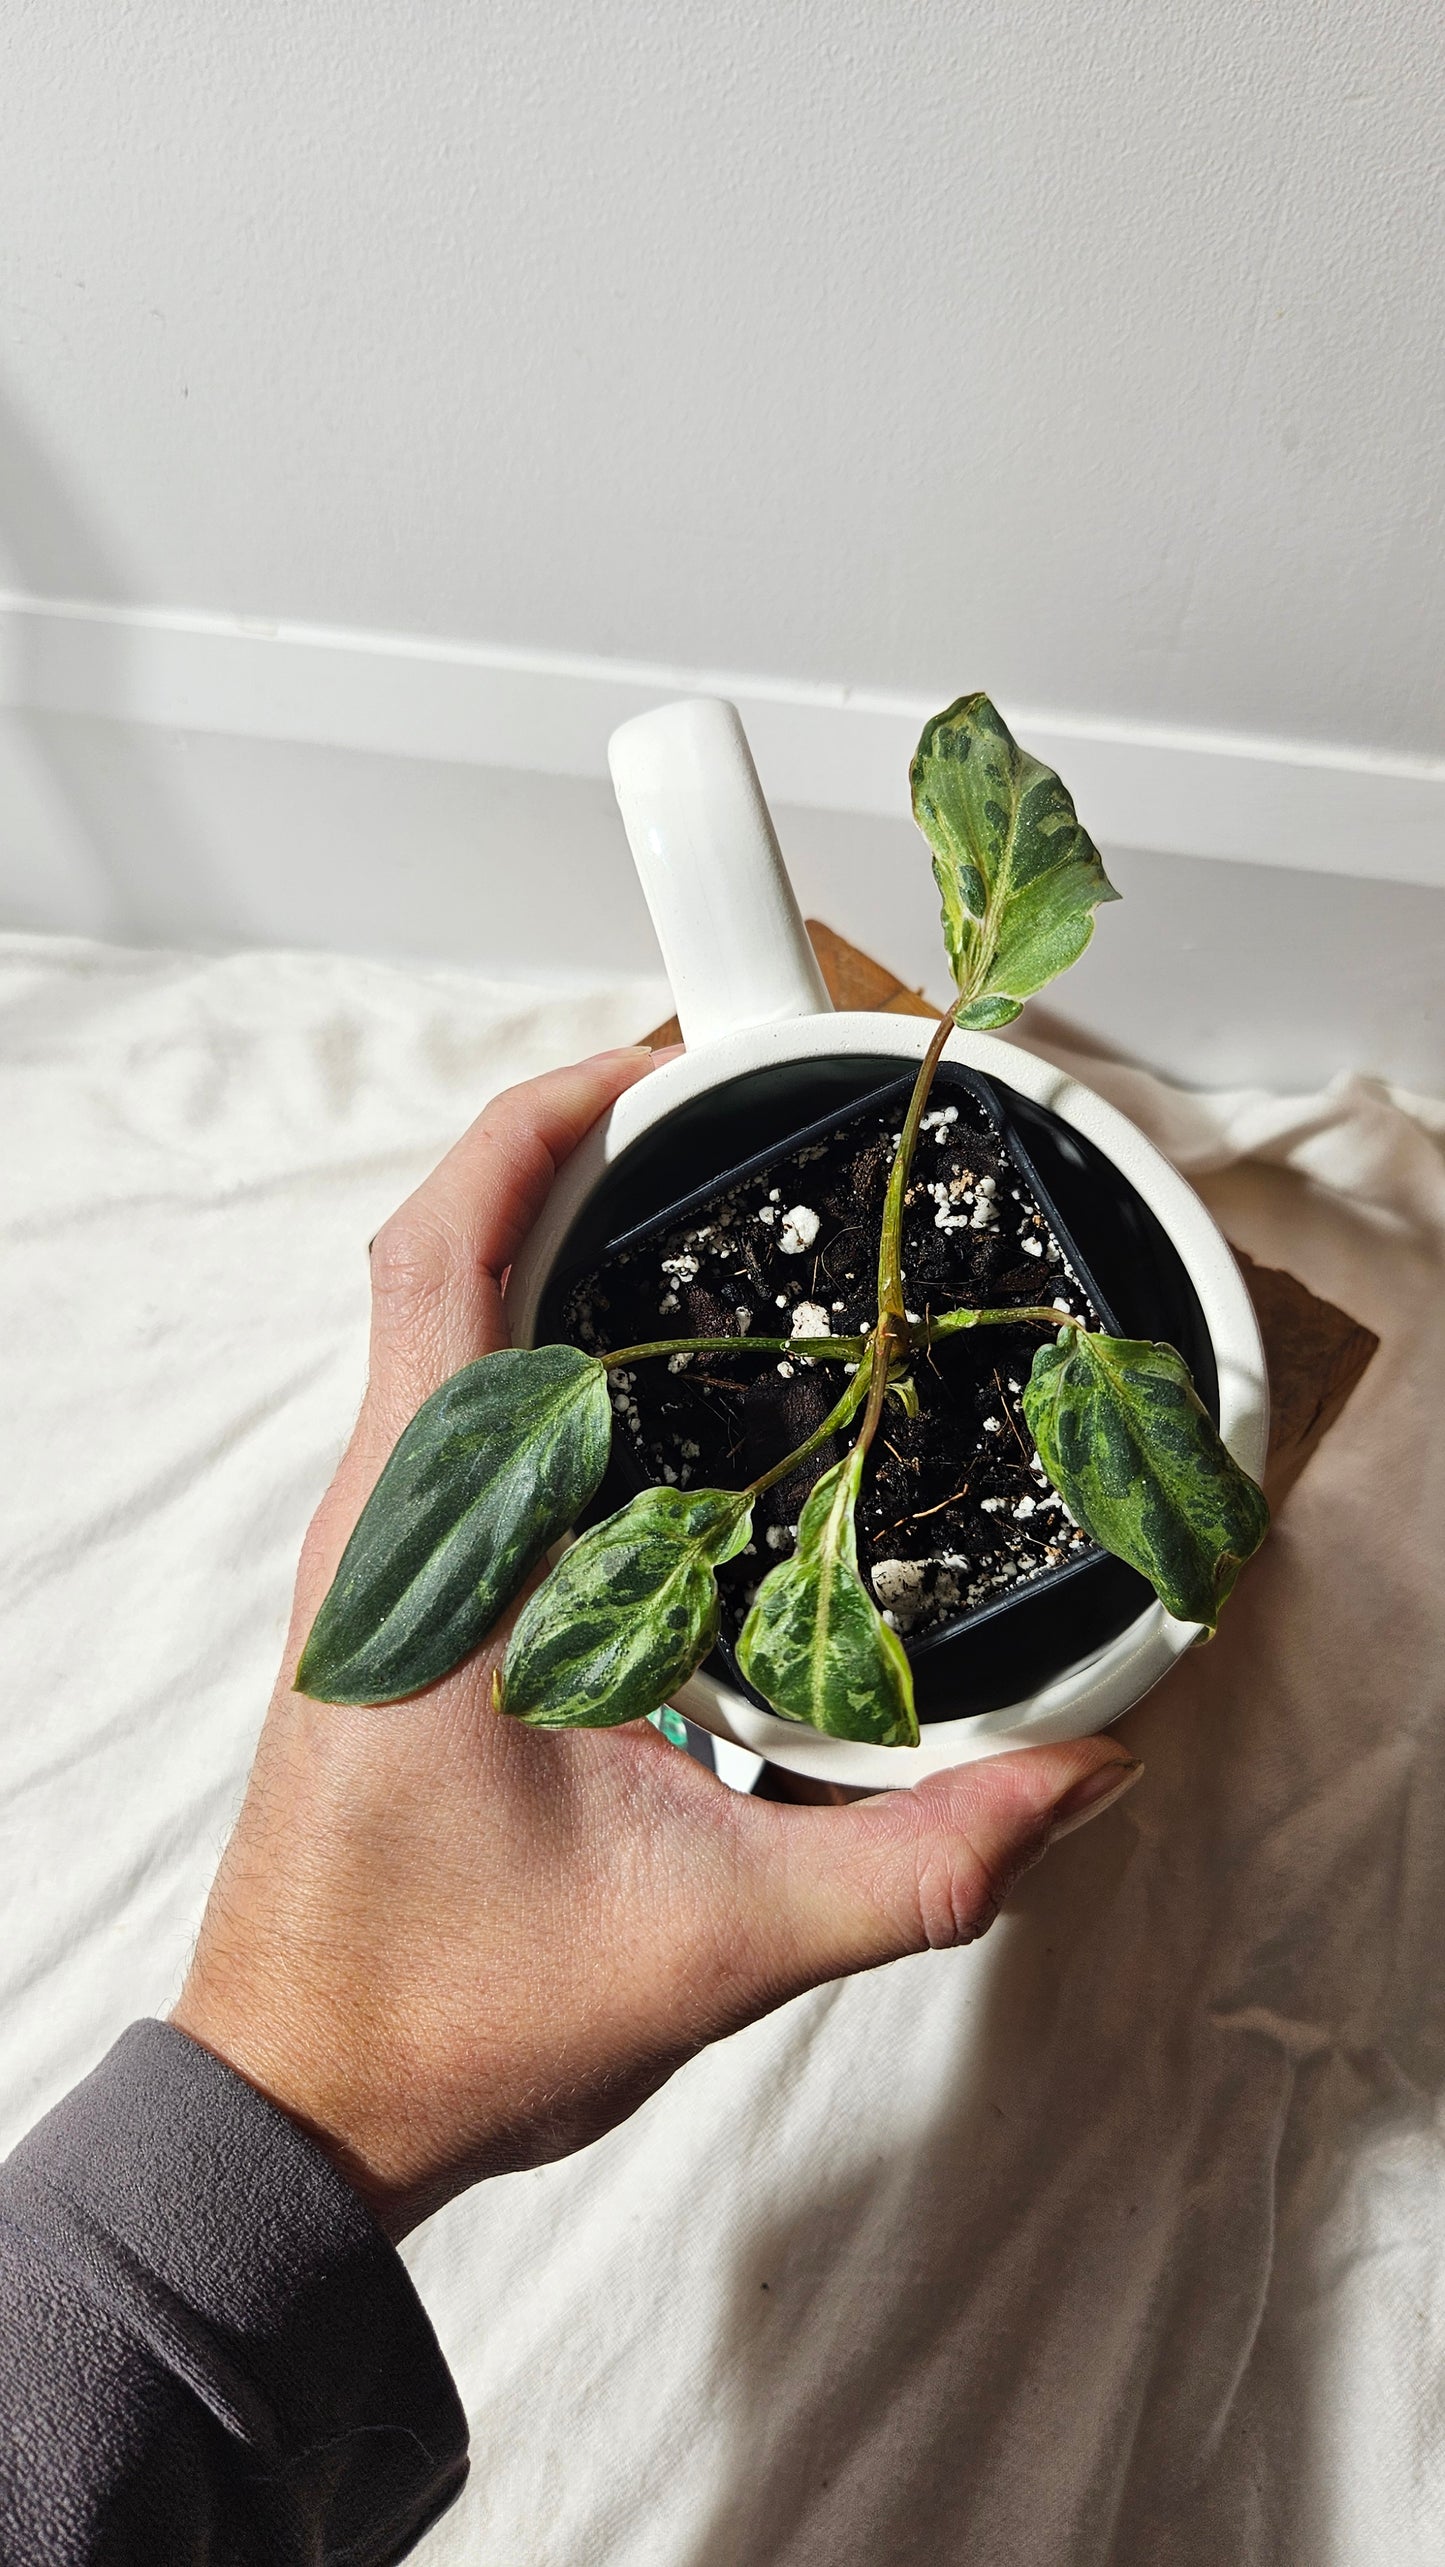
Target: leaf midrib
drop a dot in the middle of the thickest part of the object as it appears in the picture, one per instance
(838, 1506)
(991, 906)
(452, 1540)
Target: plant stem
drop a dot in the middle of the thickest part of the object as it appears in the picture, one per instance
(890, 1244)
(876, 1354)
(849, 1350)
(952, 1324)
(886, 1345)
(836, 1418)
(841, 1350)
(894, 1331)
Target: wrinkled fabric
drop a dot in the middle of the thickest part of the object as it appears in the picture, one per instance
(1116, 2241)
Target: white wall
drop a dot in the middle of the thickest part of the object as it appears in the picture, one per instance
(1090, 350)
(1087, 349)
(1213, 971)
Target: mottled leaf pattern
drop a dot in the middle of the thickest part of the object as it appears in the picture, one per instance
(1138, 1463)
(493, 1467)
(1020, 878)
(815, 1644)
(627, 1613)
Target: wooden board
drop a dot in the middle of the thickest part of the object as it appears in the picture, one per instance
(1315, 1354)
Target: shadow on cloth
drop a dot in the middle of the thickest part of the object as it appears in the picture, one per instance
(1099, 2309)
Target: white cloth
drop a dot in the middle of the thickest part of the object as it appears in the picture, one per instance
(1118, 2241)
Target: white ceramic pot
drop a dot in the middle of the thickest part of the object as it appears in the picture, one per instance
(749, 994)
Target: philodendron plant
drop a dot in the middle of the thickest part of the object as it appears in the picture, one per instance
(505, 1458)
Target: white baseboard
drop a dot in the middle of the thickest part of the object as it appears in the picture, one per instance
(1268, 802)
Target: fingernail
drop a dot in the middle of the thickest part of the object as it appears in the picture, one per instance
(1097, 1792)
(668, 1052)
(626, 1052)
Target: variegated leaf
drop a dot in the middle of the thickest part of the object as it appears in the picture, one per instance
(1019, 876)
(627, 1614)
(493, 1467)
(1139, 1464)
(815, 1644)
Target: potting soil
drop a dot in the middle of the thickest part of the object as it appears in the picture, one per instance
(955, 1508)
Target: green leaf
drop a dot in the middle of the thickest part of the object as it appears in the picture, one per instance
(493, 1467)
(815, 1644)
(627, 1613)
(904, 1389)
(1138, 1463)
(1020, 878)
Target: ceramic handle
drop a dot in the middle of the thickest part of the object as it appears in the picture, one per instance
(732, 936)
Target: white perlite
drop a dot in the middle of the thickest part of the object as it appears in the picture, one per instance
(799, 1230)
(810, 1319)
(897, 1582)
(946, 1193)
(923, 1591)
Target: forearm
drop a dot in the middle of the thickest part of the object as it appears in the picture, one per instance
(208, 2351)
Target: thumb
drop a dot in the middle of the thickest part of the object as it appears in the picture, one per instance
(438, 1264)
(910, 1871)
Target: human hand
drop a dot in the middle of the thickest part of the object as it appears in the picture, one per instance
(448, 1945)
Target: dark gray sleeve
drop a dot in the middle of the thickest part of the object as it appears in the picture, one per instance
(208, 2350)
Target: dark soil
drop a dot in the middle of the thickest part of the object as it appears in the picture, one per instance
(955, 1509)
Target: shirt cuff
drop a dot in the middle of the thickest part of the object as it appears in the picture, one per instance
(209, 2226)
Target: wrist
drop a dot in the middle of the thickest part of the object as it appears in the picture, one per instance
(296, 2061)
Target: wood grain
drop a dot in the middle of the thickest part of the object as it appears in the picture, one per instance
(1315, 1354)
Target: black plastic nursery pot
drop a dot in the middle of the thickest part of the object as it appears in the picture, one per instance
(755, 1208)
